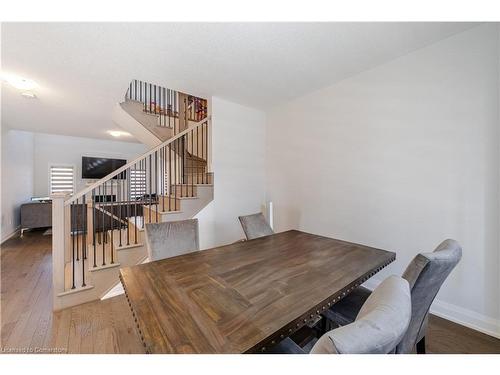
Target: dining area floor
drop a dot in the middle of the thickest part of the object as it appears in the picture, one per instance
(28, 324)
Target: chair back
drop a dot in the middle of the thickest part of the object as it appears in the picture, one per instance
(255, 226)
(166, 240)
(379, 327)
(425, 274)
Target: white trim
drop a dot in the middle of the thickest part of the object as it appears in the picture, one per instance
(118, 290)
(468, 318)
(10, 235)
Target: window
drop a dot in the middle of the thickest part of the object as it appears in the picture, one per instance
(62, 179)
(137, 183)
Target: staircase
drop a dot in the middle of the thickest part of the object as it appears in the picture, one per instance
(153, 114)
(101, 228)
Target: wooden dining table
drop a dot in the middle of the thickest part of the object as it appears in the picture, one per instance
(247, 296)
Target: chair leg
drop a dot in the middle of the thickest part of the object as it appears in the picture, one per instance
(421, 346)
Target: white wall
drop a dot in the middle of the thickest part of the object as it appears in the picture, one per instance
(50, 148)
(401, 157)
(238, 163)
(17, 177)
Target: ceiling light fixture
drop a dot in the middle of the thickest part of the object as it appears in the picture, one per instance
(28, 95)
(18, 82)
(118, 133)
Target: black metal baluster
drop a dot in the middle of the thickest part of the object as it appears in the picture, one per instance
(120, 207)
(174, 99)
(84, 226)
(202, 152)
(93, 225)
(84, 240)
(156, 185)
(162, 177)
(128, 205)
(150, 186)
(112, 222)
(175, 172)
(150, 96)
(103, 198)
(135, 206)
(197, 153)
(192, 163)
(165, 105)
(154, 98)
(169, 176)
(206, 149)
(72, 229)
(182, 160)
(98, 197)
(160, 103)
(77, 232)
(143, 100)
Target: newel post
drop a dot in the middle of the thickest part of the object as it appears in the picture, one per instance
(58, 245)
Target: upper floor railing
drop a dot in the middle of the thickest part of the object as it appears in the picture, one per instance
(173, 108)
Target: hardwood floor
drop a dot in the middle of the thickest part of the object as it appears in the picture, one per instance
(28, 324)
(27, 321)
(444, 336)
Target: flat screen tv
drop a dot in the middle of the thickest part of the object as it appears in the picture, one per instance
(96, 168)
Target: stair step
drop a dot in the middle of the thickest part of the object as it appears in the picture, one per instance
(196, 157)
(156, 215)
(105, 267)
(194, 163)
(160, 211)
(183, 190)
(76, 290)
(197, 179)
(126, 247)
(165, 126)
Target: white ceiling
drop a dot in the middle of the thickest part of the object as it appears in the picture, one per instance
(83, 69)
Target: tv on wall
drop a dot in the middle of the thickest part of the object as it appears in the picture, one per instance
(96, 168)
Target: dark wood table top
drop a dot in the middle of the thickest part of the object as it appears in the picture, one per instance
(243, 297)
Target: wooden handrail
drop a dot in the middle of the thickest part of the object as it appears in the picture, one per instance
(96, 184)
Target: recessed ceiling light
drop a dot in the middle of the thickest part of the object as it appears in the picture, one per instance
(18, 82)
(28, 95)
(118, 133)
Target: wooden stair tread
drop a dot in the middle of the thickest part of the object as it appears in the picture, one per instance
(105, 267)
(152, 208)
(76, 290)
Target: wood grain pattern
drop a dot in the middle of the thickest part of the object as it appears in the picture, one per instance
(28, 323)
(244, 297)
(444, 336)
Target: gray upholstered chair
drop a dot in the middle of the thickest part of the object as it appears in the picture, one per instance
(425, 274)
(380, 325)
(255, 226)
(165, 240)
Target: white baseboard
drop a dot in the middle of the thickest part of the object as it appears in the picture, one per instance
(10, 235)
(457, 314)
(466, 317)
